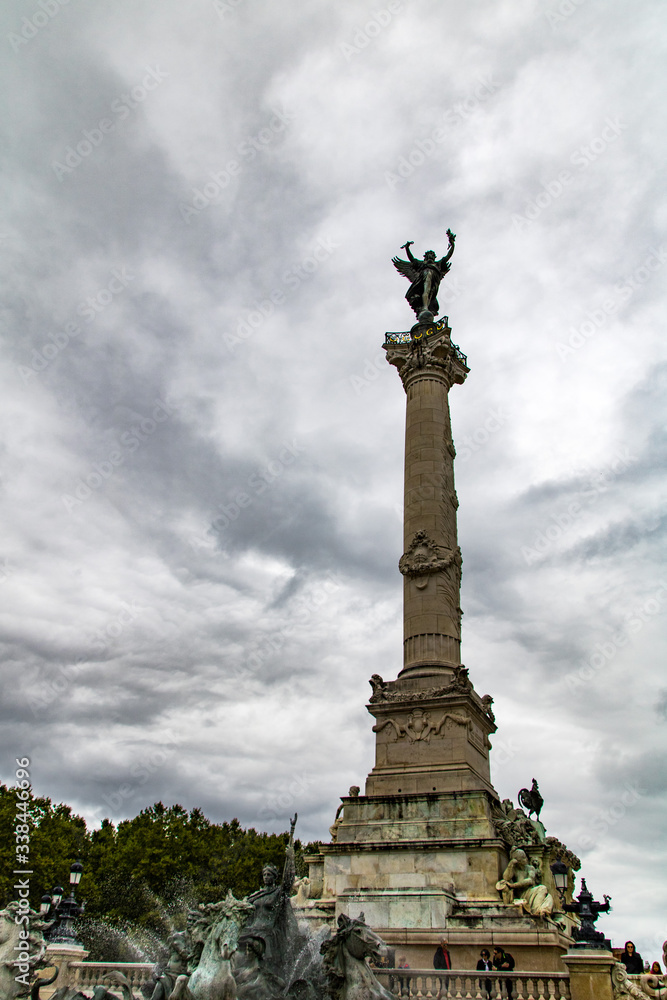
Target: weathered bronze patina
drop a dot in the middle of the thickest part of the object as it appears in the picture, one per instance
(425, 277)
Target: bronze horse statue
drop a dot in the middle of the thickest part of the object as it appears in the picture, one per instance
(344, 960)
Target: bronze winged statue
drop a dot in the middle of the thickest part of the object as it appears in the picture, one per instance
(425, 276)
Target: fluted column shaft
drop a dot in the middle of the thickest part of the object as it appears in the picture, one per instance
(431, 563)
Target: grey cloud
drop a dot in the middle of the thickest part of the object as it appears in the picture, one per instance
(233, 649)
(623, 537)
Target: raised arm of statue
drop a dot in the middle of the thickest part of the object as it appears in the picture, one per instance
(406, 247)
(289, 871)
(448, 255)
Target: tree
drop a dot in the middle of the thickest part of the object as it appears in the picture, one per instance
(142, 875)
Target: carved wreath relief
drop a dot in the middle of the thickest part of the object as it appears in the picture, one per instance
(459, 684)
(422, 558)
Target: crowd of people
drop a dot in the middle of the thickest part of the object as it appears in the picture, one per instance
(502, 961)
(499, 960)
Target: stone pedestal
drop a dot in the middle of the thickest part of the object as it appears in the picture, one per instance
(316, 913)
(590, 974)
(61, 955)
(430, 740)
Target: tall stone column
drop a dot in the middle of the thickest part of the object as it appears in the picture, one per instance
(421, 851)
(429, 364)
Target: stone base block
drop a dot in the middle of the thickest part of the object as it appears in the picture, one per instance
(590, 974)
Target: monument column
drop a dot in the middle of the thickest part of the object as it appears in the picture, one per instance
(422, 850)
(429, 364)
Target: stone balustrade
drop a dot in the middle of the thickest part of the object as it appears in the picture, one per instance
(87, 975)
(466, 985)
(415, 984)
(652, 986)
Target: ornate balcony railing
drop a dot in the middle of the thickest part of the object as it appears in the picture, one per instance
(465, 985)
(406, 338)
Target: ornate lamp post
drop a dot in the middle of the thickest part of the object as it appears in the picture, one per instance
(560, 873)
(64, 911)
(588, 910)
(75, 873)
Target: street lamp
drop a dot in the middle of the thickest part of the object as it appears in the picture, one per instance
(560, 872)
(45, 905)
(65, 911)
(588, 911)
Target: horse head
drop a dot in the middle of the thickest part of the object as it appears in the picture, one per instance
(344, 961)
(353, 938)
(362, 942)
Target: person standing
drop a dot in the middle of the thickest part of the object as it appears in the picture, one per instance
(484, 964)
(632, 960)
(442, 959)
(504, 962)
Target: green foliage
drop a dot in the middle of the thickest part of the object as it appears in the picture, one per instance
(57, 838)
(147, 871)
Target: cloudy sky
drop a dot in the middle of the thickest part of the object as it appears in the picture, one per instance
(202, 443)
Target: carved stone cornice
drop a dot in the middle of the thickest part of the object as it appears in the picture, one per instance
(558, 851)
(421, 694)
(386, 691)
(426, 351)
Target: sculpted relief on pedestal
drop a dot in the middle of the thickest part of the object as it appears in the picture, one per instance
(419, 725)
(514, 827)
